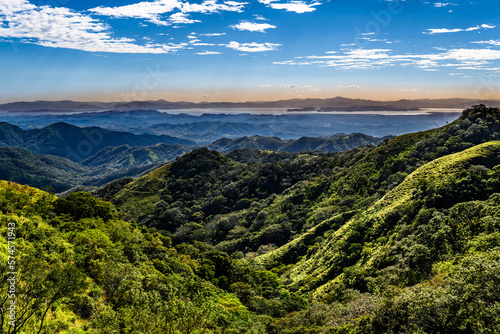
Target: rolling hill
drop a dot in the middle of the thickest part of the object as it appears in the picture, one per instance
(113, 162)
(366, 235)
(126, 156)
(337, 143)
(75, 143)
(40, 171)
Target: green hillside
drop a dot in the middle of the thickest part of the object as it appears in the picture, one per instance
(437, 185)
(79, 269)
(41, 171)
(75, 143)
(336, 143)
(126, 156)
(89, 157)
(399, 238)
(350, 226)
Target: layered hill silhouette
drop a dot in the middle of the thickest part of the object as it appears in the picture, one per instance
(63, 156)
(73, 142)
(40, 171)
(337, 143)
(335, 102)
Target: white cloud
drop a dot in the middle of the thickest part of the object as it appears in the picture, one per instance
(445, 30)
(208, 53)
(145, 10)
(369, 39)
(212, 6)
(63, 28)
(181, 18)
(442, 31)
(213, 34)
(444, 4)
(251, 26)
(267, 2)
(490, 42)
(253, 47)
(265, 86)
(488, 26)
(153, 10)
(291, 62)
(477, 59)
(292, 6)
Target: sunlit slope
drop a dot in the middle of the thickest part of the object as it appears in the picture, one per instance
(32, 194)
(141, 194)
(75, 263)
(365, 237)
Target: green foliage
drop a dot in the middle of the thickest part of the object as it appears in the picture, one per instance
(208, 197)
(80, 268)
(403, 237)
(81, 205)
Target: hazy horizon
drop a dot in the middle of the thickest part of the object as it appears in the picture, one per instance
(240, 101)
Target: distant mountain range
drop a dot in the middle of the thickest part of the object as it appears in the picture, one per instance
(76, 143)
(64, 156)
(336, 103)
(205, 128)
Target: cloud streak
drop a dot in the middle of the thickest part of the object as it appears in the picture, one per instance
(299, 7)
(253, 47)
(253, 27)
(446, 31)
(468, 59)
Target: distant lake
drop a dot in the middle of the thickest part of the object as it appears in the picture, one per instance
(283, 111)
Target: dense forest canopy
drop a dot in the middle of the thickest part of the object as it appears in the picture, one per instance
(399, 237)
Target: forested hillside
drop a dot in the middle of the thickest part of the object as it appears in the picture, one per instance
(75, 143)
(63, 157)
(399, 238)
(336, 143)
(80, 269)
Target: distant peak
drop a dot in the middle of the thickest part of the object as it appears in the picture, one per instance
(61, 125)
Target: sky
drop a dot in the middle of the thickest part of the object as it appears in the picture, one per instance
(216, 50)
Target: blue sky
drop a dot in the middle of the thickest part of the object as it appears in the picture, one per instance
(214, 50)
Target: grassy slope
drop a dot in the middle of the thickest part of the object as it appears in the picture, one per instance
(141, 194)
(317, 269)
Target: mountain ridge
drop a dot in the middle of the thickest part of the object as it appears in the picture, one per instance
(75, 143)
(336, 102)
